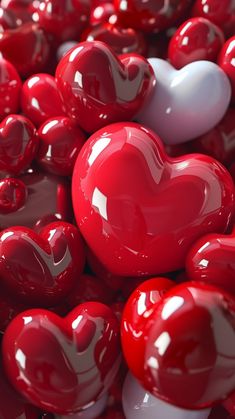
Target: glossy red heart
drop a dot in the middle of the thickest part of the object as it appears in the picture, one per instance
(63, 365)
(26, 47)
(7, 19)
(121, 40)
(196, 39)
(60, 140)
(212, 260)
(138, 309)
(189, 341)
(34, 103)
(99, 88)
(13, 194)
(153, 15)
(102, 12)
(41, 269)
(226, 61)
(48, 199)
(22, 9)
(18, 144)
(139, 210)
(10, 88)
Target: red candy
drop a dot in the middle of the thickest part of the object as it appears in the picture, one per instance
(78, 365)
(10, 88)
(13, 194)
(226, 61)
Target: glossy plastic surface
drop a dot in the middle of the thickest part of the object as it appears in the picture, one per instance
(13, 194)
(34, 99)
(182, 107)
(138, 308)
(196, 39)
(189, 346)
(41, 269)
(212, 260)
(226, 61)
(102, 12)
(7, 19)
(60, 141)
(10, 88)
(63, 365)
(124, 191)
(18, 144)
(99, 88)
(153, 15)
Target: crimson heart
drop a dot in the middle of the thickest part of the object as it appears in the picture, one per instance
(41, 269)
(13, 194)
(63, 365)
(10, 88)
(226, 61)
(98, 88)
(212, 260)
(189, 340)
(140, 210)
(18, 143)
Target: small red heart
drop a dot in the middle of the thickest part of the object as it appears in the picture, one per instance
(13, 194)
(138, 209)
(41, 269)
(18, 144)
(99, 88)
(63, 365)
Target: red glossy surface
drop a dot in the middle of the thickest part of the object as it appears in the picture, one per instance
(26, 47)
(153, 15)
(124, 188)
(226, 61)
(212, 260)
(41, 269)
(18, 144)
(7, 19)
(138, 309)
(60, 141)
(101, 13)
(189, 346)
(63, 365)
(13, 194)
(22, 9)
(196, 39)
(10, 88)
(219, 12)
(34, 99)
(65, 19)
(229, 405)
(48, 199)
(121, 40)
(98, 88)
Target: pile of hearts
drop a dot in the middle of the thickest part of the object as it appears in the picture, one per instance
(117, 209)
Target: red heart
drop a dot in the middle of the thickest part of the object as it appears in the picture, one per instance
(63, 365)
(41, 269)
(13, 194)
(10, 88)
(189, 340)
(212, 260)
(139, 210)
(18, 143)
(99, 88)
(226, 61)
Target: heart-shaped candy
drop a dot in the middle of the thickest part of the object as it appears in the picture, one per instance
(13, 194)
(18, 144)
(126, 190)
(99, 88)
(63, 365)
(41, 269)
(189, 340)
(226, 61)
(10, 88)
(186, 103)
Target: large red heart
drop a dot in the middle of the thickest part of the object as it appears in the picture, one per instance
(41, 269)
(139, 210)
(63, 365)
(99, 88)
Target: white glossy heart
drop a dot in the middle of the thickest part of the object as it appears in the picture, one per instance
(185, 103)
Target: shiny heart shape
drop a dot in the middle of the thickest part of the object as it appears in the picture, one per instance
(63, 365)
(182, 107)
(189, 341)
(212, 260)
(26, 47)
(41, 269)
(10, 88)
(18, 144)
(124, 190)
(99, 88)
(48, 199)
(13, 194)
(226, 61)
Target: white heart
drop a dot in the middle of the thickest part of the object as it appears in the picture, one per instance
(185, 103)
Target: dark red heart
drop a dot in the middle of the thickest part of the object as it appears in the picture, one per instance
(13, 194)
(41, 269)
(63, 365)
(125, 191)
(18, 144)
(98, 88)
(226, 61)
(10, 88)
